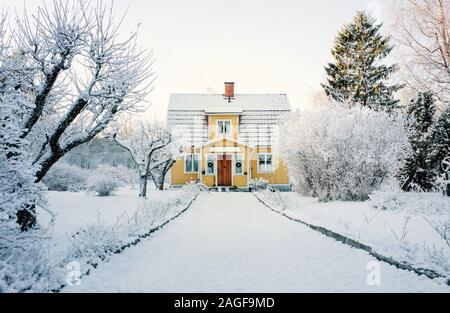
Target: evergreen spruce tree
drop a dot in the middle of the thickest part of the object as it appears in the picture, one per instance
(419, 167)
(356, 75)
(441, 140)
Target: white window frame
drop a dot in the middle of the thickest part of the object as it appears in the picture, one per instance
(215, 165)
(224, 134)
(265, 160)
(192, 155)
(234, 164)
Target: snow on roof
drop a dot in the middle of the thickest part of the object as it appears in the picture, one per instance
(217, 103)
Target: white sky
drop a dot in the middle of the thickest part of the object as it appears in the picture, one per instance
(265, 46)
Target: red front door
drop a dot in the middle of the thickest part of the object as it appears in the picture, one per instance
(224, 171)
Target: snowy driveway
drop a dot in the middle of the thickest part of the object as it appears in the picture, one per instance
(229, 242)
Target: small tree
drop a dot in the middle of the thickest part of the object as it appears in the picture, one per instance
(142, 143)
(356, 75)
(418, 170)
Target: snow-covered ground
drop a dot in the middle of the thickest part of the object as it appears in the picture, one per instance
(404, 233)
(88, 229)
(230, 242)
(76, 211)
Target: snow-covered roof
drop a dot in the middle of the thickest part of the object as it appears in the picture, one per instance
(217, 103)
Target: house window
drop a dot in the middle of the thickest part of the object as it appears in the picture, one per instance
(265, 163)
(210, 165)
(238, 164)
(224, 127)
(191, 163)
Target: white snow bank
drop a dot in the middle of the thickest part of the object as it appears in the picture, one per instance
(406, 232)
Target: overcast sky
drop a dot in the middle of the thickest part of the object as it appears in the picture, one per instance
(265, 46)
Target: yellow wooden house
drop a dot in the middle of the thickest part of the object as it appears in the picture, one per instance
(228, 139)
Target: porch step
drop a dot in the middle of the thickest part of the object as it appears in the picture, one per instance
(224, 189)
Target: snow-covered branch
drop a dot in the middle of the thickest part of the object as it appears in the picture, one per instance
(82, 70)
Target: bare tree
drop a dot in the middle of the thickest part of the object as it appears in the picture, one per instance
(424, 32)
(142, 142)
(83, 72)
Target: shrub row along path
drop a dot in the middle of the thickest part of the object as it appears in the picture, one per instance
(230, 242)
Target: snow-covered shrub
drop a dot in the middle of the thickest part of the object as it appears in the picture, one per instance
(65, 177)
(391, 198)
(258, 184)
(104, 181)
(153, 212)
(338, 152)
(148, 214)
(103, 186)
(24, 261)
(94, 243)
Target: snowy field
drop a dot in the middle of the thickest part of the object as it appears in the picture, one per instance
(230, 242)
(406, 233)
(105, 223)
(77, 210)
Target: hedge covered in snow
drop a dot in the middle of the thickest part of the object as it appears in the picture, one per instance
(342, 153)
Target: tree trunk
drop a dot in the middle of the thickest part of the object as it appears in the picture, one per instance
(47, 164)
(161, 181)
(26, 218)
(162, 177)
(143, 186)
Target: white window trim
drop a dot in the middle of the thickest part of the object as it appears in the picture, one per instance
(234, 164)
(265, 172)
(226, 134)
(215, 165)
(184, 164)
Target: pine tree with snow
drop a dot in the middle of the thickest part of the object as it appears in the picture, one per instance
(419, 168)
(357, 75)
(441, 139)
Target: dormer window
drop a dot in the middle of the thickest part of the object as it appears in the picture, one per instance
(224, 127)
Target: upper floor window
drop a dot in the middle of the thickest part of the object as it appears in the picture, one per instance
(191, 163)
(224, 127)
(265, 163)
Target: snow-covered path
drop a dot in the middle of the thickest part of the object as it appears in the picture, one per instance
(229, 242)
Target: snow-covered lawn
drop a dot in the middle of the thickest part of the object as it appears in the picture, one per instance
(77, 210)
(88, 229)
(230, 242)
(404, 233)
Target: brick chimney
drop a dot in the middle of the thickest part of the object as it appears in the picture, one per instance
(229, 90)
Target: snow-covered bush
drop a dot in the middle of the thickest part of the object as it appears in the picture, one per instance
(258, 184)
(337, 152)
(24, 260)
(94, 243)
(390, 197)
(65, 177)
(103, 186)
(106, 180)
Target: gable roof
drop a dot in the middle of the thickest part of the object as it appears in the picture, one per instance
(217, 103)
